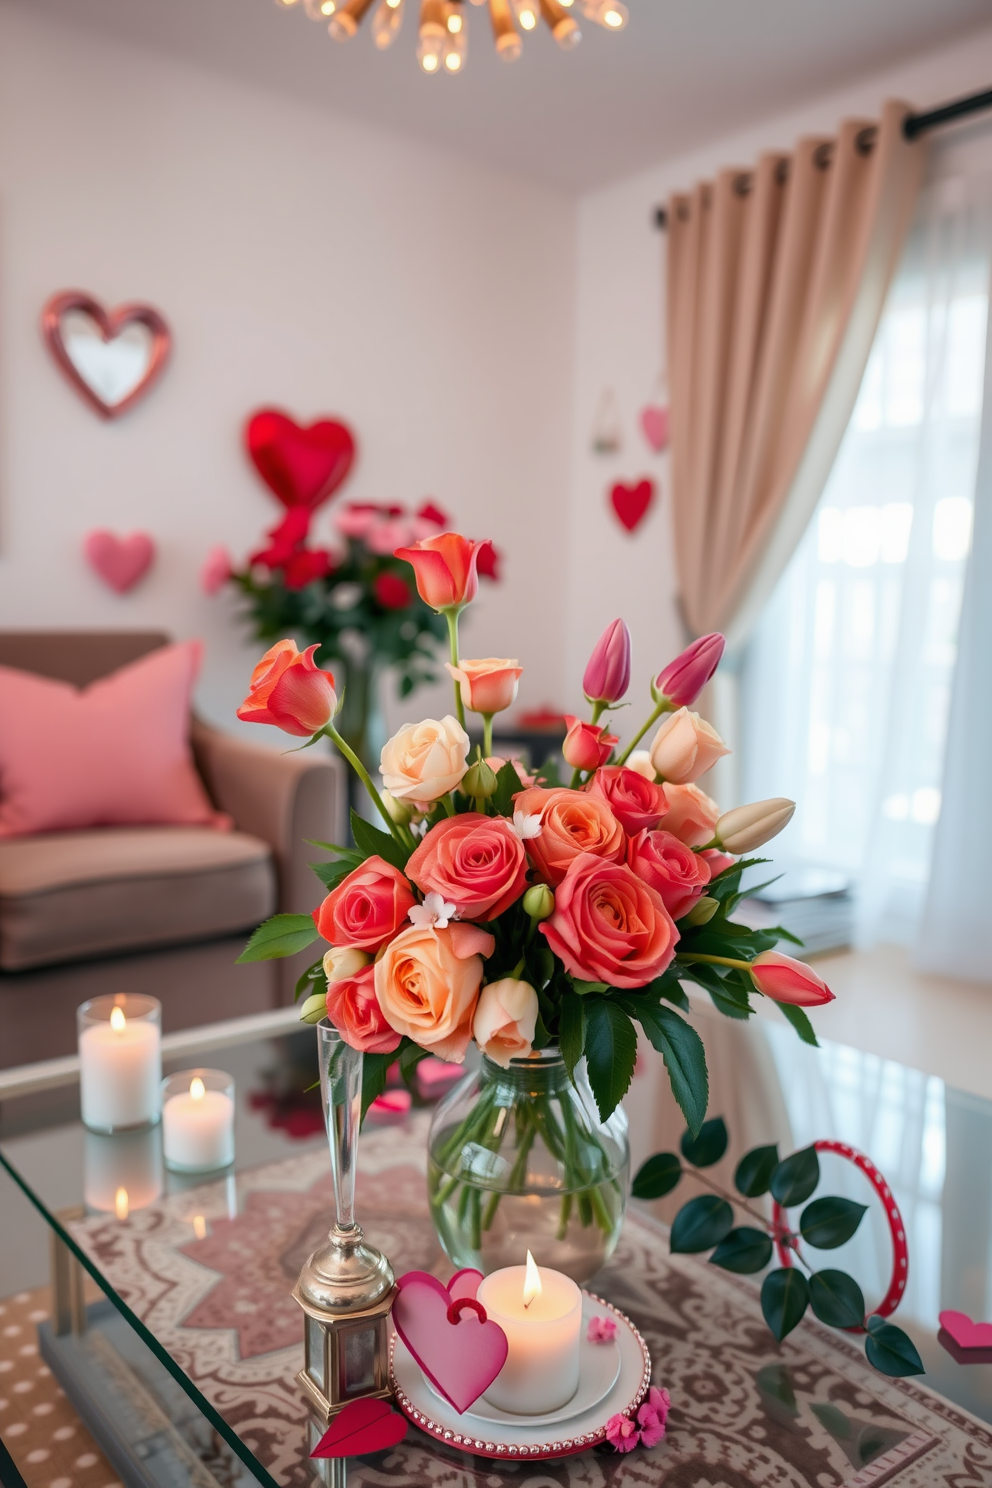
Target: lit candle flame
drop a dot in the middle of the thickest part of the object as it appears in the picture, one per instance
(118, 1022)
(196, 1088)
(121, 1203)
(532, 1281)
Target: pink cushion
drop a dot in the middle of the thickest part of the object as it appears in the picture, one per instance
(114, 753)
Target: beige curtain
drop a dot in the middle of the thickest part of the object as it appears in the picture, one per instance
(775, 283)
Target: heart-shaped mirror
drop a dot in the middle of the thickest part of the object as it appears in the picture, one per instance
(110, 357)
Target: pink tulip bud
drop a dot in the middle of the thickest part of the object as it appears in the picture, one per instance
(784, 979)
(684, 678)
(608, 673)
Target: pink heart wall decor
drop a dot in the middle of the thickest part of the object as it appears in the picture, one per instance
(109, 324)
(361, 1426)
(631, 503)
(965, 1333)
(460, 1350)
(120, 561)
(654, 426)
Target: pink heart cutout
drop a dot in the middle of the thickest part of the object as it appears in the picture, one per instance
(654, 426)
(964, 1332)
(460, 1351)
(361, 1426)
(120, 561)
(631, 503)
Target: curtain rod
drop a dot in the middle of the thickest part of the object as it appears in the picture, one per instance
(913, 125)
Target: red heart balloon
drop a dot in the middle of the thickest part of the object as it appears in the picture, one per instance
(361, 1426)
(631, 503)
(458, 1348)
(300, 466)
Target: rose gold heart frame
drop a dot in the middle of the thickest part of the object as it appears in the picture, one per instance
(110, 324)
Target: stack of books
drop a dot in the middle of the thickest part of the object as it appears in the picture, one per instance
(814, 903)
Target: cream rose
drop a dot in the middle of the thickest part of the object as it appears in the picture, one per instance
(640, 760)
(505, 1020)
(427, 985)
(685, 747)
(424, 761)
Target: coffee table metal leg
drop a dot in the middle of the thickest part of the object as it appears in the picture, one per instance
(68, 1307)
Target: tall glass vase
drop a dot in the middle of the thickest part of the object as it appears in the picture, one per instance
(360, 722)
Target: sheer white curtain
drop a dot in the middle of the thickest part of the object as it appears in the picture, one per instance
(847, 678)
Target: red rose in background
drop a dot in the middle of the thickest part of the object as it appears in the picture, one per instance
(392, 592)
(636, 803)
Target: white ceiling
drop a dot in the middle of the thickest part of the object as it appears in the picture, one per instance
(683, 72)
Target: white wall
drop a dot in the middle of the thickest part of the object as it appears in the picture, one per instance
(302, 261)
(620, 340)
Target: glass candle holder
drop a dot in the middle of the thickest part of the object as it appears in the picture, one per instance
(198, 1120)
(120, 1061)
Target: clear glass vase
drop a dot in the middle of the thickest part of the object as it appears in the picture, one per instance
(518, 1160)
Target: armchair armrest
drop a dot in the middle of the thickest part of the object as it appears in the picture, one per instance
(281, 798)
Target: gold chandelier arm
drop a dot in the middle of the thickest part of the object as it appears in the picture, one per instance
(347, 18)
(505, 33)
(562, 25)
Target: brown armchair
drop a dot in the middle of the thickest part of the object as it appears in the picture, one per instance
(159, 909)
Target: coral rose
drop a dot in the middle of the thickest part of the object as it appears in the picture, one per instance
(353, 1008)
(586, 746)
(637, 803)
(445, 568)
(426, 760)
(367, 908)
(685, 747)
(427, 982)
(289, 690)
(677, 873)
(608, 926)
(505, 1020)
(487, 686)
(572, 822)
(691, 816)
(473, 861)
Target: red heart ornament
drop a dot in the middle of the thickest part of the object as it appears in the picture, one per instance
(109, 324)
(300, 466)
(965, 1333)
(361, 1426)
(459, 1349)
(654, 426)
(631, 503)
(120, 561)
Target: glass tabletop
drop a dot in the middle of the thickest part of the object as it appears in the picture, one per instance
(199, 1335)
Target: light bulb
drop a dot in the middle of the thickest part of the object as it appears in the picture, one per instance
(197, 1089)
(567, 3)
(455, 23)
(118, 1022)
(452, 62)
(386, 23)
(320, 10)
(528, 12)
(614, 15)
(429, 53)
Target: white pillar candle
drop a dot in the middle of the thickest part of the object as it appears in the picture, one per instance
(198, 1121)
(120, 1067)
(540, 1311)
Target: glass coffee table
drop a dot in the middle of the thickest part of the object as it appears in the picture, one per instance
(185, 1369)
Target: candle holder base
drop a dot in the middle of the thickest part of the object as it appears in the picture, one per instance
(345, 1274)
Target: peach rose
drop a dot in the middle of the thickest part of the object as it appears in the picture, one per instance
(677, 873)
(487, 686)
(572, 822)
(473, 861)
(505, 1020)
(636, 803)
(608, 926)
(691, 816)
(586, 746)
(427, 982)
(367, 908)
(353, 1008)
(685, 747)
(425, 761)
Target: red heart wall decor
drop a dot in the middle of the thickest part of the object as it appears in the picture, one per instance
(459, 1349)
(120, 561)
(300, 466)
(108, 325)
(631, 503)
(361, 1426)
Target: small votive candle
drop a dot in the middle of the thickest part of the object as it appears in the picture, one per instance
(540, 1311)
(198, 1120)
(122, 1173)
(120, 1061)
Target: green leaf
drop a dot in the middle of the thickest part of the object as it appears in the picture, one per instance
(784, 1299)
(373, 843)
(611, 1049)
(836, 1299)
(572, 1031)
(682, 1050)
(410, 1055)
(701, 1224)
(831, 1221)
(374, 1070)
(282, 935)
(708, 1145)
(796, 1177)
(728, 997)
(332, 874)
(584, 988)
(754, 1171)
(890, 1350)
(507, 786)
(800, 1023)
(656, 1177)
(744, 1250)
(306, 983)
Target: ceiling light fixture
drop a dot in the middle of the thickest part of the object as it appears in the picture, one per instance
(442, 39)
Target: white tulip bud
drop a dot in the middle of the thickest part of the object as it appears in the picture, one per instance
(342, 962)
(747, 827)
